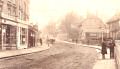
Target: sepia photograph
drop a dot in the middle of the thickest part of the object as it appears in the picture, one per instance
(59, 34)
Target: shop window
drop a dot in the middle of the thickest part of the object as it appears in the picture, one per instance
(13, 35)
(23, 36)
(8, 34)
(4, 33)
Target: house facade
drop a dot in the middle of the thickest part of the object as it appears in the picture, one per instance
(93, 30)
(114, 27)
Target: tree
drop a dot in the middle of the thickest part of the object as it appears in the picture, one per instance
(70, 25)
(50, 29)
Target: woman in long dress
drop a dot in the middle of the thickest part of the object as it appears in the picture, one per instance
(104, 49)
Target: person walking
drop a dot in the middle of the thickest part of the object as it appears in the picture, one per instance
(104, 49)
(112, 45)
(41, 41)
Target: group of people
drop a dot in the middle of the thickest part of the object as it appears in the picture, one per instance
(49, 41)
(108, 44)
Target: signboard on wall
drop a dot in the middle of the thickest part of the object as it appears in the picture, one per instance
(91, 34)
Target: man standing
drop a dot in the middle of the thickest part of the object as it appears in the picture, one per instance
(112, 45)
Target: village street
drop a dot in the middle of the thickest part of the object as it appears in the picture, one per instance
(59, 56)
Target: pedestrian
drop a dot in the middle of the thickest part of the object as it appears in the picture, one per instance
(48, 40)
(41, 41)
(104, 49)
(112, 45)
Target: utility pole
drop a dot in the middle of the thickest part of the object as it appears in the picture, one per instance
(102, 33)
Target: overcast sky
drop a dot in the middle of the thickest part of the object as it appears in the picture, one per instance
(43, 11)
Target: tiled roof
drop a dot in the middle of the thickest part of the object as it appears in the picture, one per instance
(93, 24)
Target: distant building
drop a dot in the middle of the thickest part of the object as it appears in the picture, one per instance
(92, 28)
(114, 26)
(14, 20)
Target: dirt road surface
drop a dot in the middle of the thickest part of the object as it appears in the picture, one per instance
(59, 56)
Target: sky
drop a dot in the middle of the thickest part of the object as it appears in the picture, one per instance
(43, 11)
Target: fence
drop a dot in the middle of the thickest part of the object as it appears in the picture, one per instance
(117, 54)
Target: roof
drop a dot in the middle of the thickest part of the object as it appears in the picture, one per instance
(92, 24)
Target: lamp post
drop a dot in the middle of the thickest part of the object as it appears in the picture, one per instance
(102, 33)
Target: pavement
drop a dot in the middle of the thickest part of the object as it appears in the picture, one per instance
(10, 53)
(106, 63)
(100, 63)
(85, 45)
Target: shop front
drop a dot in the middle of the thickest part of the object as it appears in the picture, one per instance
(13, 35)
(22, 37)
(31, 38)
(8, 37)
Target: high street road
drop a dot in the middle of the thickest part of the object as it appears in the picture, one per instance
(59, 56)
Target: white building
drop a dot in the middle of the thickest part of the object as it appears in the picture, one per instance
(92, 29)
